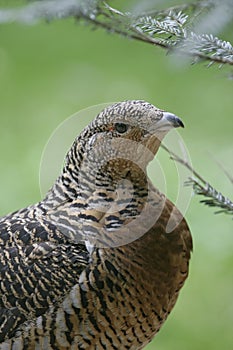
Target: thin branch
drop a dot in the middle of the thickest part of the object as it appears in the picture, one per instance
(214, 197)
(137, 35)
(200, 186)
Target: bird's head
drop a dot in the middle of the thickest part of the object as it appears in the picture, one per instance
(137, 121)
(123, 137)
(105, 172)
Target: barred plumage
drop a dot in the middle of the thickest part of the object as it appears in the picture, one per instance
(94, 265)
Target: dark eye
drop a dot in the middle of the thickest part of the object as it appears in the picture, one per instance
(121, 127)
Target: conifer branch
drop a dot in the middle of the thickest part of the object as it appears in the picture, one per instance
(174, 29)
(213, 198)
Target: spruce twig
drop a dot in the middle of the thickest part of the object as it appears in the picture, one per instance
(213, 198)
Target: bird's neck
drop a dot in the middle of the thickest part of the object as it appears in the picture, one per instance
(95, 203)
(114, 179)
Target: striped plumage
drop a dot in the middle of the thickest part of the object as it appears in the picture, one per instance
(94, 265)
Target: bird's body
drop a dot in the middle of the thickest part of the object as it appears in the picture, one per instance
(94, 265)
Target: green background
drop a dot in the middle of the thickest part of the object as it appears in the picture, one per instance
(50, 71)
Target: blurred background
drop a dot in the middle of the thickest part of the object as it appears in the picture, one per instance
(49, 71)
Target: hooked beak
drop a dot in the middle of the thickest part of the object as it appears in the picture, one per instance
(171, 120)
(161, 128)
(166, 123)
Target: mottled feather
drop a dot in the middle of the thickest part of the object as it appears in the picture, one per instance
(93, 265)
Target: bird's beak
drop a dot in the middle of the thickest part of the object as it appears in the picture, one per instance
(172, 119)
(161, 128)
(165, 124)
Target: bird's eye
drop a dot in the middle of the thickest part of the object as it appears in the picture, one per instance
(121, 127)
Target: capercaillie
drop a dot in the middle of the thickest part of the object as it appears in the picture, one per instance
(99, 262)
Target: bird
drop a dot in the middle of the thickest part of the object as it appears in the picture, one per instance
(99, 262)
